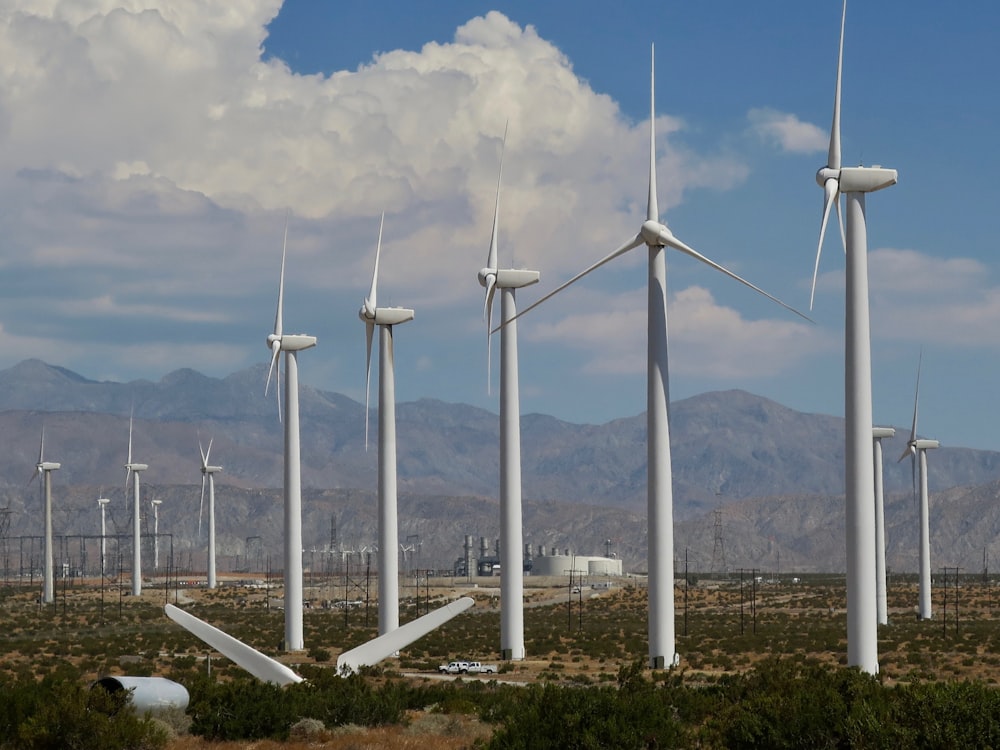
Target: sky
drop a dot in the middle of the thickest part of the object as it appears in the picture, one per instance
(151, 150)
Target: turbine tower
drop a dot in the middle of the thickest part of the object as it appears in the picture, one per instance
(917, 449)
(855, 182)
(291, 344)
(657, 237)
(134, 469)
(102, 502)
(43, 470)
(878, 433)
(156, 534)
(388, 555)
(511, 525)
(208, 472)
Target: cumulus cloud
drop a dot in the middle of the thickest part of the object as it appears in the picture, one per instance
(787, 132)
(148, 153)
(706, 339)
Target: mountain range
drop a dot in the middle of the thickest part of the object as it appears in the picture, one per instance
(754, 481)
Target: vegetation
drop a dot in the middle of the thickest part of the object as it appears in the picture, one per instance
(760, 669)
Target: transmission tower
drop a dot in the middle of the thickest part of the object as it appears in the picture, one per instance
(719, 547)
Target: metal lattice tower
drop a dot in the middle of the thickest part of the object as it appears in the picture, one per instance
(719, 546)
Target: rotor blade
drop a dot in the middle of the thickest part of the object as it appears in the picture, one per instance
(253, 661)
(632, 243)
(652, 210)
(916, 398)
(201, 505)
(370, 300)
(41, 446)
(830, 191)
(209, 451)
(491, 257)
(130, 435)
(204, 458)
(840, 221)
(274, 369)
(385, 645)
(281, 284)
(369, 335)
(36, 473)
(678, 245)
(491, 288)
(833, 156)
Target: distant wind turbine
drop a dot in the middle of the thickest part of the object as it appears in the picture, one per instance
(135, 469)
(291, 344)
(855, 182)
(511, 524)
(102, 502)
(208, 473)
(388, 557)
(878, 433)
(657, 236)
(156, 534)
(43, 470)
(917, 449)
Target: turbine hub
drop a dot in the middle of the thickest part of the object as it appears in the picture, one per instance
(484, 275)
(826, 173)
(656, 234)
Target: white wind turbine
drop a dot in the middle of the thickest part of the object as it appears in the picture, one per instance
(388, 556)
(855, 182)
(878, 433)
(208, 473)
(657, 236)
(102, 502)
(511, 532)
(156, 534)
(291, 344)
(917, 449)
(135, 469)
(43, 470)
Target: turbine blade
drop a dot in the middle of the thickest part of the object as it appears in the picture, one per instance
(491, 257)
(491, 287)
(253, 661)
(204, 458)
(678, 245)
(130, 435)
(385, 645)
(41, 446)
(916, 398)
(209, 451)
(632, 243)
(369, 335)
(652, 210)
(279, 313)
(840, 221)
(830, 190)
(274, 370)
(833, 156)
(371, 301)
(201, 505)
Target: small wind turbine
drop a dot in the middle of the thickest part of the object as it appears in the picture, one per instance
(156, 534)
(855, 182)
(134, 469)
(511, 525)
(878, 433)
(102, 502)
(208, 473)
(917, 449)
(43, 470)
(388, 559)
(291, 344)
(657, 236)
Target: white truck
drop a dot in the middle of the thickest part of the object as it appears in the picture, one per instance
(468, 667)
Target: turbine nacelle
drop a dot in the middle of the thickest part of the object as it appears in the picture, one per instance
(923, 445)
(883, 432)
(210, 469)
(136, 467)
(515, 278)
(866, 179)
(296, 342)
(47, 466)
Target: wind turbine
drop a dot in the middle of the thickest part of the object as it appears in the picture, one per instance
(917, 449)
(291, 344)
(511, 526)
(878, 433)
(855, 182)
(156, 534)
(135, 469)
(43, 470)
(657, 237)
(388, 557)
(208, 472)
(102, 502)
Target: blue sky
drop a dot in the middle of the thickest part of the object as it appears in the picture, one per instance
(148, 154)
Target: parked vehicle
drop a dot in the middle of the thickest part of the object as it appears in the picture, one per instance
(476, 667)
(454, 667)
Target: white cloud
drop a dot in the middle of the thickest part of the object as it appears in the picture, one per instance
(787, 131)
(705, 339)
